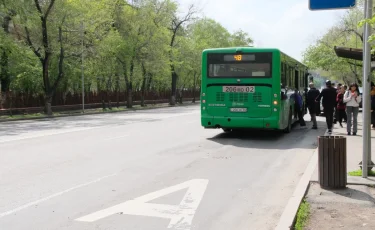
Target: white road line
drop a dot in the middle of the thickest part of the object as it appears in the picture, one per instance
(47, 134)
(181, 216)
(118, 137)
(290, 211)
(53, 196)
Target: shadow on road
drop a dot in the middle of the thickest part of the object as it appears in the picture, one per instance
(300, 137)
(14, 128)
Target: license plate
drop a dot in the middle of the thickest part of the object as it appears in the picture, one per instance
(239, 89)
(238, 110)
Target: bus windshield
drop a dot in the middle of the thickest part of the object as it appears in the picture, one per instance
(255, 65)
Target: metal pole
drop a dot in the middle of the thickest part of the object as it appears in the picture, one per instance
(366, 90)
(83, 78)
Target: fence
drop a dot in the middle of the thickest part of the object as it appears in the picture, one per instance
(28, 103)
(25, 100)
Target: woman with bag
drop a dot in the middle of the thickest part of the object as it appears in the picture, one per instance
(352, 98)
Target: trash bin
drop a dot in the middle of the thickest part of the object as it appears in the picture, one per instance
(332, 162)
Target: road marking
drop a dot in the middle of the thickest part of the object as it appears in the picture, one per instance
(181, 215)
(113, 138)
(53, 196)
(47, 134)
(290, 211)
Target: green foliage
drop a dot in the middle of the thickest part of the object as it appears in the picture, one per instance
(359, 173)
(115, 34)
(322, 58)
(302, 215)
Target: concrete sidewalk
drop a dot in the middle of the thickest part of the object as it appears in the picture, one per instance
(350, 208)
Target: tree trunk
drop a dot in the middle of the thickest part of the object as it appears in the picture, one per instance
(130, 85)
(130, 98)
(118, 91)
(180, 95)
(195, 76)
(149, 82)
(3, 97)
(143, 87)
(109, 92)
(48, 105)
(174, 86)
(102, 98)
(4, 66)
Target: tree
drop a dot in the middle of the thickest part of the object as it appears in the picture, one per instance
(321, 56)
(176, 25)
(5, 50)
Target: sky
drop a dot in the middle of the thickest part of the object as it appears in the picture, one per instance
(285, 24)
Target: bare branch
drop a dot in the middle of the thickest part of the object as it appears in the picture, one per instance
(29, 42)
(355, 32)
(61, 63)
(49, 8)
(355, 64)
(38, 6)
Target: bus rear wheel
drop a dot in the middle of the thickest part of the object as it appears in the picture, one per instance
(227, 130)
(288, 129)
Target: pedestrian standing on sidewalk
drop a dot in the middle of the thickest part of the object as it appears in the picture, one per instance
(335, 113)
(329, 102)
(313, 106)
(352, 98)
(341, 107)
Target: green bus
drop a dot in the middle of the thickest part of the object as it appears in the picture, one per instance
(250, 88)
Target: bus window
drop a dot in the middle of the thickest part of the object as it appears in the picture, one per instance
(283, 74)
(257, 65)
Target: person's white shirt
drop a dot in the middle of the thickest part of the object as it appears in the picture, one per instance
(351, 100)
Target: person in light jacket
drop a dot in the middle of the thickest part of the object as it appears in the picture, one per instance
(352, 98)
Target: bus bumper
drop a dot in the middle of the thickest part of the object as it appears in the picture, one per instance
(240, 122)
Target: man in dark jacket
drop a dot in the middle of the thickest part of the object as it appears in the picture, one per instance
(314, 107)
(329, 102)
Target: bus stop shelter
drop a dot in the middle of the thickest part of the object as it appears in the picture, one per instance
(351, 53)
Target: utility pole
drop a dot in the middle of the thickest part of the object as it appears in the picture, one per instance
(366, 154)
(83, 78)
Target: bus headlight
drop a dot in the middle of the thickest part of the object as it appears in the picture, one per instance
(204, 108)
(203, 101)
(275, 109)
(275, 102)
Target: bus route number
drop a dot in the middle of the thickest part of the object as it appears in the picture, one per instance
(238, 89)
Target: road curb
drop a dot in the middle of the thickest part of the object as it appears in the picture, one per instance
(96, 113)
(289, 214)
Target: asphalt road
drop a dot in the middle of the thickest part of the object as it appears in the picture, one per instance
(150, 170)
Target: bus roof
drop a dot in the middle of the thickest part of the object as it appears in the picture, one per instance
(244, 48)
(247, 48)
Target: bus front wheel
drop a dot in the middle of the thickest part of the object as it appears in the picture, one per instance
(289, 127)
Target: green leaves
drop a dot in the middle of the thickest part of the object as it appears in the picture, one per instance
(322, 57)
(115, 33)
